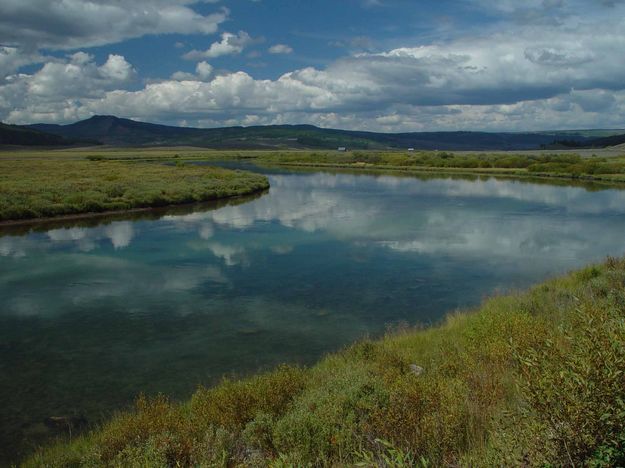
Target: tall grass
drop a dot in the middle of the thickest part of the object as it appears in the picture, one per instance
(528, 379)
(44, 188)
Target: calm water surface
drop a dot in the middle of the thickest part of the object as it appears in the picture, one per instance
(90, 316)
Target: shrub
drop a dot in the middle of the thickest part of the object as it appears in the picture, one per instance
(233, 404)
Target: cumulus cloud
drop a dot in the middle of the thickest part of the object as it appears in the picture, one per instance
(526, 76)
(56, 90)
(230, 44)
(13, 58)
(203, 72)
(71, 24)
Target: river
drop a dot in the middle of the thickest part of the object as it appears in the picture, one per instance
(93, 313)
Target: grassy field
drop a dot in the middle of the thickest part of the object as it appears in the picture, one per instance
(565, 166)
(605, 166)
(47, 183)
(32, 187)
(529, 379)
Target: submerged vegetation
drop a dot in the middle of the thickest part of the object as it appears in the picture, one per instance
(31, 188)
(528, 379)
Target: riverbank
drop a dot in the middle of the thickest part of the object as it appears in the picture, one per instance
(534, 378)
(32, 190)
(604, 170)
(602, 167)
(614, 180)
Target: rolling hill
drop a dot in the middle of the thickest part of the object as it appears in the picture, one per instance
(15, 135)
(114, 131)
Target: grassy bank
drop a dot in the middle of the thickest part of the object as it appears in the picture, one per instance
(528, 379)
(604, 168)
(567, 166)
(45, 188)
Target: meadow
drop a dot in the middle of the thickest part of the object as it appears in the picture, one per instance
(528, 379)
(536, 165)
(33, 188)
(602, 166)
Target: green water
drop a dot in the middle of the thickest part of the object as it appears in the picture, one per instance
(93, 314)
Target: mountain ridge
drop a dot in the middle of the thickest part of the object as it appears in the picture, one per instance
(15, 135)
(115, 131)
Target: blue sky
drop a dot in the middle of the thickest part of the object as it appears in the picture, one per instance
(387, 65)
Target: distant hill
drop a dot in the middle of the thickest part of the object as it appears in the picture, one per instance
(613, 140)
(589, 133)
(22, 136)
(116, 131)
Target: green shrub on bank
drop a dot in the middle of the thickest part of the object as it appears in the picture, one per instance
(532, 379)
(40, 188)
(560, 165)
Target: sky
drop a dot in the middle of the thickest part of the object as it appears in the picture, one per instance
(378, 65)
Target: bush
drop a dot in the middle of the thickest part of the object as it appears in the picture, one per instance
(235, 403)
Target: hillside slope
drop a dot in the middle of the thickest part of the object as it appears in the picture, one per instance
(614, 140)
(115, 131)
(22, 136)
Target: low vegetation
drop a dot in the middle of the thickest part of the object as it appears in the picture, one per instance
(528, 379)
(601, 166)
(533, 165)
(31, 188)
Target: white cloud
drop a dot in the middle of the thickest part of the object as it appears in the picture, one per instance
(56, 91)
(528, 76)
(117, 69)
(280, 49)
(230, 44)
(203, 72)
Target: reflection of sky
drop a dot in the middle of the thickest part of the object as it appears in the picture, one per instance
(543, 228)
(459, 217)
(320, 261)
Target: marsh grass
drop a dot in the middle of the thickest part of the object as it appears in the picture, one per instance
(564, 166)
(528, 379)
(605, 167)
(45, 188)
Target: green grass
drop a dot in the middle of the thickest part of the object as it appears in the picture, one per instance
(40, 188)
(607, 169)
(527, 379)
(542, 165)
(569, 166)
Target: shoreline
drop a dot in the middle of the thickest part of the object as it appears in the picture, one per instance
(511, 174)
(102, 214)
